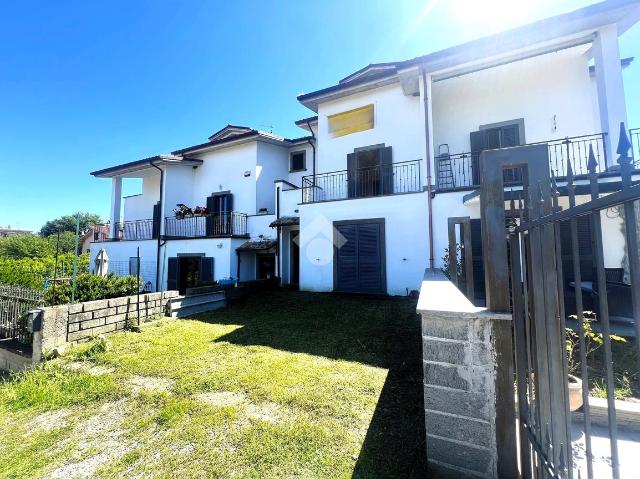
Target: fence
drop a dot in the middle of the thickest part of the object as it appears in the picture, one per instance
(395, 178)
(462, 170)
(14, 303)
(128, 268)
(540, 301)
(208, 225)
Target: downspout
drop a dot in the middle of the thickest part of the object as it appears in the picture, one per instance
(278, 234)
(312, 142)
(430, 195)
(159, 224)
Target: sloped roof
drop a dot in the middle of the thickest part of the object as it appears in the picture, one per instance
(257, 245)
(230, 131)
(285, 221)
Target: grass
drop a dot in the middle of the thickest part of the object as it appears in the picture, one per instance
(284, 384)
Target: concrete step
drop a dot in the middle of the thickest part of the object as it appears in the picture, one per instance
(183, 306)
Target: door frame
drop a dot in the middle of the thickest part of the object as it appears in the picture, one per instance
(383, 250)
(293, 235)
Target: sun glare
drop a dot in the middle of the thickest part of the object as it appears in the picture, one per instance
(496, 14)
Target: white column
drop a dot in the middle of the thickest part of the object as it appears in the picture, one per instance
(611, 102)
(116, 202)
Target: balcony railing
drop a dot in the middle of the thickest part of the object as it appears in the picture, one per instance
(392, 179)
(206, 226)
(462, 170)
(136, 230)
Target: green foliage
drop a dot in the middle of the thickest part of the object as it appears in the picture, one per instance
(593, 341)
(68, 223)
(33, 272)
(621, 391)
(34, 246)
(90, 287)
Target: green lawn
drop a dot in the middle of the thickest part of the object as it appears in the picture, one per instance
(283, 384)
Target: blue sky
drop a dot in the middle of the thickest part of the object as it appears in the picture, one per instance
(86, 85)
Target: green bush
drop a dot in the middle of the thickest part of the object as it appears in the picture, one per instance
(90, 287)
(33, 272)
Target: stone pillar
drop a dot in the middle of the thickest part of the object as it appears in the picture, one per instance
(611, 103)
(469, 394)
(116, 202)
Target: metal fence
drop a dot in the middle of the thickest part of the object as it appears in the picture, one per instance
(136, 230)
(462, 170)
(129, 268)
(208, 225)
(395, 178)
(14, 303)
(540, 301)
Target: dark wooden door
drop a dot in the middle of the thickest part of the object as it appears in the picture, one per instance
(359, 261)
(294, 257)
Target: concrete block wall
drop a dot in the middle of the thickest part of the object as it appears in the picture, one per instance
(64, 325)
(464, 377)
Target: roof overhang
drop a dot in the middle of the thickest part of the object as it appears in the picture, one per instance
(144, 167)
(285, 221)
(257, 245)
(234, 140)
(578, 27)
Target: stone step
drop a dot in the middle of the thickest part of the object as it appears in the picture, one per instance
(183, 306)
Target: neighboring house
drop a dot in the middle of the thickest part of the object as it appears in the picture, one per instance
(362, 203)
(93, 234)
(9, 231)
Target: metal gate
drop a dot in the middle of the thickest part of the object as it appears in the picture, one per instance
(539, 307)
(14, 304)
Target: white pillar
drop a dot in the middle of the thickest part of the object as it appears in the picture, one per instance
(611, 102)
(116, 202)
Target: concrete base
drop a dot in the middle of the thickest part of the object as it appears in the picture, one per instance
(13, 361)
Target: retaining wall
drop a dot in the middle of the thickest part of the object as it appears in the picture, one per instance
(64, 325)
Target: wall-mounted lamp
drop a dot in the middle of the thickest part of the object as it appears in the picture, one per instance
(220, 245)
(247, 173)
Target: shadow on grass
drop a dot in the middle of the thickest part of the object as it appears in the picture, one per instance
(382, 332)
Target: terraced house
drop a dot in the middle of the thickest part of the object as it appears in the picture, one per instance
(361, 201)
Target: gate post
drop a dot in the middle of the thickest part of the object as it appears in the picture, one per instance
(468, 385)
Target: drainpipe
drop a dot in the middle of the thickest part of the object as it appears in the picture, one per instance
(159, 224)
(428, 154)
(313, 146)
(278, 234)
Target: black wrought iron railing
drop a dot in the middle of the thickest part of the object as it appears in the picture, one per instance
(136, 230)
(462, 170)
(206, 226)
(392, 179)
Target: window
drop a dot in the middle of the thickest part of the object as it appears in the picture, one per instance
(297, 161)
(351, 121)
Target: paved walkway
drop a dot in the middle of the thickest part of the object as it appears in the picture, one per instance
(628, 452)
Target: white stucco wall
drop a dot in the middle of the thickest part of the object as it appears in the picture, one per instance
(272, 164)
(290, 199)
(535, 89)
(406, 238)
(398, 122)
(295, 177)
(178, 188)
(223, 170)
(119, 253)
(259, 225)
(140, 207)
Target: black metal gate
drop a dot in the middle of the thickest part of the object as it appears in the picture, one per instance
(15, 301)
(540, 300)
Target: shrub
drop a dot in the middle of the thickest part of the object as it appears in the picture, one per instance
(90, 287)
(33, 272)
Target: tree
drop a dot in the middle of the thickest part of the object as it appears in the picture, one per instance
(25, 246)
(68, 223)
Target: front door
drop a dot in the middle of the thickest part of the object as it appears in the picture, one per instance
(294, 258)
(266, 266)
(359, 257)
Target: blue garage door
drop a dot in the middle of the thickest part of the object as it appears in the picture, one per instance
(360, 259)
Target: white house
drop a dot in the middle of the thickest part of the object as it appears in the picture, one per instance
(361, 204)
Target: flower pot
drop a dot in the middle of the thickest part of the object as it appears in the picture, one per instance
(575, 393)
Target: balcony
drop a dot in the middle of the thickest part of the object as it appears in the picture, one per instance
(212, 225)
(462, 170)
(392, 179)
(136, 230)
